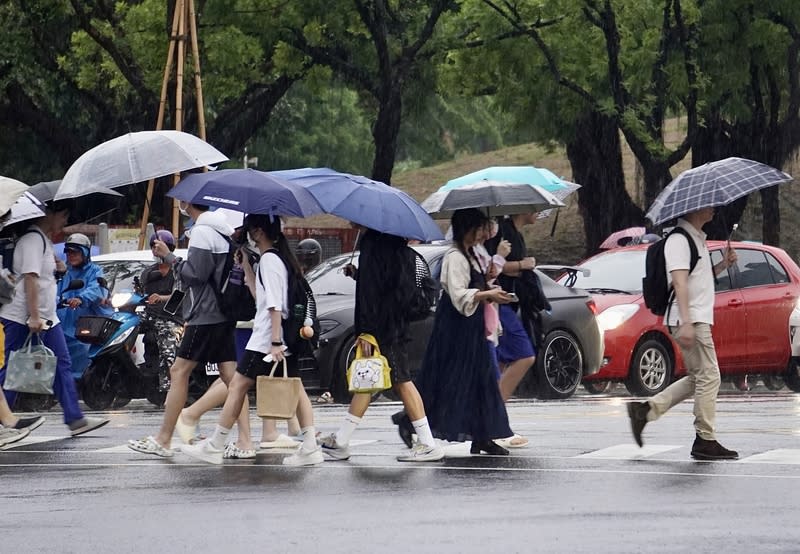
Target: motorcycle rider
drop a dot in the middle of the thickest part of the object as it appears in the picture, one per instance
(158, 282)
(85, 301)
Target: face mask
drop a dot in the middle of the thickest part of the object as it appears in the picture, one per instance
(182, 209)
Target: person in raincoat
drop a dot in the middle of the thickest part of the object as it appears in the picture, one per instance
(85, 301)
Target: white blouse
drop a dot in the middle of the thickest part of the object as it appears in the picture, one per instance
(455, 280)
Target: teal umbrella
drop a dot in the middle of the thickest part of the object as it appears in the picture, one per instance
(523, 174)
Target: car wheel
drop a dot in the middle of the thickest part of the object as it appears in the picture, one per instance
(773, 381)
(598, 387)
(559, 366)
(744, 383)
(99, 387)
(792, 376)
(339, 389)
(651, 369)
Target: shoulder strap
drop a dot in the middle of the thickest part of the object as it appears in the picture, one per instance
(694, 257)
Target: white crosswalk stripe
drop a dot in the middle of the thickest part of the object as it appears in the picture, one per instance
(32, 439)
(628, 451)
(778, 456)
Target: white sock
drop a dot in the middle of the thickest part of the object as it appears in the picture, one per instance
(423, 431)
(346, 430)
(309, 438)
(219, 437)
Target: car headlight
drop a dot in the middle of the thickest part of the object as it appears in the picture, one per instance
(120, 299)
(615, 316)
(327, 325)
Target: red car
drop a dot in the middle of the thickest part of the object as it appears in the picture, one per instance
(751, 312)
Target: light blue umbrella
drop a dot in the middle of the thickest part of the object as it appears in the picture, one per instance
(369, 203)
(520, 175)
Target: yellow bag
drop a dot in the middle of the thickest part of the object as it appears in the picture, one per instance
(371, 374)
(277, 397)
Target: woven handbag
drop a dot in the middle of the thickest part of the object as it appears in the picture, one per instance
(277, 397)
(369, 374)
(32, 368)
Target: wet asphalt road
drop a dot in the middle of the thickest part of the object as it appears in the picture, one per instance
(581, 486)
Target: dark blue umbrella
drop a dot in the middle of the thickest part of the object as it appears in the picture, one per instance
(713, 184)
(369, 203)
(246, 190)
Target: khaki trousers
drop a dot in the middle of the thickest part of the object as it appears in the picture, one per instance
(702, 381)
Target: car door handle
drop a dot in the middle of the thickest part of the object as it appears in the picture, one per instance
(736, 302)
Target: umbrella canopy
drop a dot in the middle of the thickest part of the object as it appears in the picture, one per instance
(622, 237)
(496, 198)
(562, 195)
(10, 191)
(369, 203)
(523, 174)
(26, 207)
(46, 190)
(248, 191)
(713, 184)
(136, 157)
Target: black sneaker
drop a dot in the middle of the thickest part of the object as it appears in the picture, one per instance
(711, 450)
(404, 428)
(637, 411)
(29, 423)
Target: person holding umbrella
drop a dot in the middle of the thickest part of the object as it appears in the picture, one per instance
(691, 197)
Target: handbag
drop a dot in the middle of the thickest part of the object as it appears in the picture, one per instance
(32, 368)
(369, 374)
(277, 397)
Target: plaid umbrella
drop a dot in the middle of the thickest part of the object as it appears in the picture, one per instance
(713, 184)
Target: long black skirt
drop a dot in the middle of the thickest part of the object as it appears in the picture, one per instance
(457, 382)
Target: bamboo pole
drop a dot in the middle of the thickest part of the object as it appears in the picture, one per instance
(198, 82)
(162, 106)
(182, 6)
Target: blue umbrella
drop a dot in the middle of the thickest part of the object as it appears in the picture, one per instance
(369, 203)
(713, 184)
(522, 175)
(246, 190)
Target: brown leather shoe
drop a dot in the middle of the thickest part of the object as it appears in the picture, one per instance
(711, 450)
(637, 411)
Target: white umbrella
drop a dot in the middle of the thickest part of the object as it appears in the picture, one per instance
(26, 207)
(10, 191)
(134, 158)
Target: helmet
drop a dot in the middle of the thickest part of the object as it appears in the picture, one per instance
(309, 253)
(164, 236)
(79, 242)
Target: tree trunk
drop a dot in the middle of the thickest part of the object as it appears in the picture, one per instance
(656, 176)
(385, 132)
(595, 155)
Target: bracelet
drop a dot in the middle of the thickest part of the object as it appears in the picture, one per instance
(277, 343)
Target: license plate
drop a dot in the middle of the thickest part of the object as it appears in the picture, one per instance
(212, 369)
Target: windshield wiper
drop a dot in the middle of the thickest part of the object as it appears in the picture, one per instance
(604, 290)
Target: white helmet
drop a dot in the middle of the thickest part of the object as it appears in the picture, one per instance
(79, 241)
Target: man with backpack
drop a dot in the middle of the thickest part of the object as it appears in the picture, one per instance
(209, 333)
(689, 317)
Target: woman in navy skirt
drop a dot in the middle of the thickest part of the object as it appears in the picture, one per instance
(457, 381)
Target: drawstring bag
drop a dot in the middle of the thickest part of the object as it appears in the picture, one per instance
(32, 368)
(277, 397)
(369, 374)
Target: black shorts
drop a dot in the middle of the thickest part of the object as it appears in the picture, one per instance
(397, 355)
(253, 365)
(215, 343)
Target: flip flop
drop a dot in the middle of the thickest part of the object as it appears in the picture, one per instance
(281, 442)
(514, 441)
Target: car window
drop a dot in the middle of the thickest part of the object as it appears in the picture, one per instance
(622, 270)
(723, 280)
(120, 273)
(779, 274)
(753, 268)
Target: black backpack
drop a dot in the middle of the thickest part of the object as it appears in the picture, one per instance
(233, 297)
(657, 293)
(302, 306)
(426, 293)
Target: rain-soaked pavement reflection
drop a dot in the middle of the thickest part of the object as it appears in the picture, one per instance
(580, 486)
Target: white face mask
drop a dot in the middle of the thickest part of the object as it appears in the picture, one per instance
(182, 209)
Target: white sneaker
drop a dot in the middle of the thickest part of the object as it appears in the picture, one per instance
(422, 453)
(86, 424)
(304, 458)
(204, 451)
(9, 435)
(332, 449)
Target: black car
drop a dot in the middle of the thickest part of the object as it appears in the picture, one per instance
(572, 348)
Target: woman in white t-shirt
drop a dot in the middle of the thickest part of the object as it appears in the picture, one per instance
(268, 281)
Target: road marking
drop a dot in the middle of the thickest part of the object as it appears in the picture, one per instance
(123, 449)
(789, 456)
(628, 451)
(35, 439)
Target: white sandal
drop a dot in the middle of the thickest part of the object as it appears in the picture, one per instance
(149, 445)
